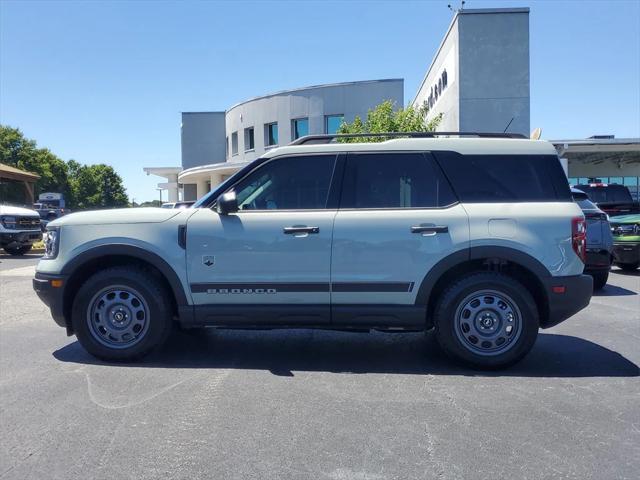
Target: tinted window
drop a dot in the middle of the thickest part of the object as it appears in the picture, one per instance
(610, 193)
(505, 178)
(394, 180)
(300, 127)
(287, 183)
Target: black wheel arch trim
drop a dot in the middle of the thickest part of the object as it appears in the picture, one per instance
(135, 251)
(477, 253)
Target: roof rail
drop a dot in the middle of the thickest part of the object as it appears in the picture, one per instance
(328, 138)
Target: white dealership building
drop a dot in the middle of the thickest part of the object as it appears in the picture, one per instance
(479, 80)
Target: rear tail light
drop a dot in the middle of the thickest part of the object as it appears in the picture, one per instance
(579, 237)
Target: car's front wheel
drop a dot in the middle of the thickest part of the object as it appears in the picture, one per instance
(121, 313)
(487, 320)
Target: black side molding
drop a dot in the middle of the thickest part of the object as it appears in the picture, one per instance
(182, 236)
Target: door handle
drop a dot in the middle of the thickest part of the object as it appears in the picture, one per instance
(429, 229)
(300, 229)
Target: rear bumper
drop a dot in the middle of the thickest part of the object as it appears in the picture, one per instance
(564, 303)
(53, 297)
(597, 260)
(626, 252)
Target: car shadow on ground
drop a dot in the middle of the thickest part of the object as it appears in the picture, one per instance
(613, 291)
(283, 352)
(626, 273)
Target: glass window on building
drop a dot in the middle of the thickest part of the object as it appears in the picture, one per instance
(234, 143)
(271, 134)
(299, 127)
(249, 139)
(226, 147)
(332, 123)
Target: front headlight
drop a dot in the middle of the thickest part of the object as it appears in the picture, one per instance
(9, 222)
(51, 239)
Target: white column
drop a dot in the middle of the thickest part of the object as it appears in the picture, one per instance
(173, 187)
(201, 187)
(215, 180)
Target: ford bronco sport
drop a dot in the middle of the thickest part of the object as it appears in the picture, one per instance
(476, 238)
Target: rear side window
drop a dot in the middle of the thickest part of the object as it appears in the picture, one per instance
(505, 178)
(394, 180)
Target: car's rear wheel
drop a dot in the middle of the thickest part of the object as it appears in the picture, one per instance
(600, 279)
(487, 320)
(121, 313)
(628, 267)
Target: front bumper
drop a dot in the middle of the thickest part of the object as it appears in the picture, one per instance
(567, 296)
(51, 295)
(626, 252)
(22, 238)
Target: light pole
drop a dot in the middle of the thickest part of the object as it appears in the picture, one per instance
(160, 191)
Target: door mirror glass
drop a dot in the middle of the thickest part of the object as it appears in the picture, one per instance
(227, 203)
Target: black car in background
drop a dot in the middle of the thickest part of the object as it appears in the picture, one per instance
(599, 240)
(613, 199)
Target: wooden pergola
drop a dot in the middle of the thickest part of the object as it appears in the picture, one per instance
(28, 179)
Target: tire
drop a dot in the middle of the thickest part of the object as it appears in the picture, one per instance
(600, 279)
(21, 250)
(121, 314)
(486, 298)
(627, 267)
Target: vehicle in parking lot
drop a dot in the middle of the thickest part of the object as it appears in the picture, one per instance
(408, 234)
(182, 204)
(626, 241)
(19, 229)
(50, 206)
(599, 240)
(611, 198)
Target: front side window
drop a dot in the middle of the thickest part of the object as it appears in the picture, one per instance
(234, 143)
(249, 139)
(290, 183)
(332, 123)
(394, 180)
(300, 127)
(271, 134)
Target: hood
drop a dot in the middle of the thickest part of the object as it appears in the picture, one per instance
(117, 216)
(9, 210)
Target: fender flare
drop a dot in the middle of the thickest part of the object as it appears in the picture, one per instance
(475, 253)
(130, 251)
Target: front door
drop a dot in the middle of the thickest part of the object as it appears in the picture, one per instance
(398, 217)
(270, 261)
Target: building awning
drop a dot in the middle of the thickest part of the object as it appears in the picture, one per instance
(625, 151)
(13, 173)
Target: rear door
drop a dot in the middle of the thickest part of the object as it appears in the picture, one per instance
(398, 217)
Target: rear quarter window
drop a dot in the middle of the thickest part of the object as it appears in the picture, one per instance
(505, 178)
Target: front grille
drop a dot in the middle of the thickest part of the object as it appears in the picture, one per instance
(21, 223)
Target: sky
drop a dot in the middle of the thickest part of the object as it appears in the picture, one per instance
(106, 81)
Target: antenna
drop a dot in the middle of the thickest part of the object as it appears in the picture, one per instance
(508, 125)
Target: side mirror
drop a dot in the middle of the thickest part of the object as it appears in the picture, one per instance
(227, 203)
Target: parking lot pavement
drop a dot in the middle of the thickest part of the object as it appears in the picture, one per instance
(313, 405)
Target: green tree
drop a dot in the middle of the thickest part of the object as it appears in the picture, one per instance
(385, 118)
(22, 153)
(84, 186)
(98, 186)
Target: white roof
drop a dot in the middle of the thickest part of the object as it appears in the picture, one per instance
(499, 146)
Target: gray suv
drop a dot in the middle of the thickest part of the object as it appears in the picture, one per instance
(407, 234)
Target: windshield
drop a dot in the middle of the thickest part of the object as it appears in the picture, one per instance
(607, 194)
